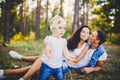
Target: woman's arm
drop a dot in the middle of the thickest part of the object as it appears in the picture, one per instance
(81, 55)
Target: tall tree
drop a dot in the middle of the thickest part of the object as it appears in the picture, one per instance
(47, 17)
(24, 26)
(87, 13)
(21, 26)
(7, 22)
(75, 24)
(2, 17)
(8, 15)
(84, 15)
(61, 8)
(37, 25)
(83, 12)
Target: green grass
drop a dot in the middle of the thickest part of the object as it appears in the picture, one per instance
(110, 70)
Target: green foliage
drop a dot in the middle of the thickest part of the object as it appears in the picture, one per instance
(33, 47)
(102, 21)
(20, 36)
(112, 9)
(114, 38)
(2, 12)
(108, 18)
(67, 33)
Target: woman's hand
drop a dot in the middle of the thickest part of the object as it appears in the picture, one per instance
(70, 61)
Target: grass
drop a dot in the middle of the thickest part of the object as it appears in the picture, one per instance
(110, 71)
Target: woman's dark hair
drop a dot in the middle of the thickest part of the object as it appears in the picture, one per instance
(73, 41)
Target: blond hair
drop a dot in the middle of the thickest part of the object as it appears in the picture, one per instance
(57, 21)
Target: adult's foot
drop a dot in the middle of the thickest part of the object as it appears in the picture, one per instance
(2, 74)
(15, 55)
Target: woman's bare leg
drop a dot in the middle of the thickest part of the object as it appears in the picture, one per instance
(16, 71)
(34, 68)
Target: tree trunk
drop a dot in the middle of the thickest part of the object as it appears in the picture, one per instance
(37, 25)
(24, 26)
(47, 17)
(86, 18)
(21, 18)
(7, 23)
(76, 17)
(83, 13)
(61, 8)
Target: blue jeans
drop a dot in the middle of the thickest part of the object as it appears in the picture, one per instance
(65, 67)
(46, 72)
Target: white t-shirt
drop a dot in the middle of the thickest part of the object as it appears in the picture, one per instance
(77, 51)
(85, 60)
(57, 45)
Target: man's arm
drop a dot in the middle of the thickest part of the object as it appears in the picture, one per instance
(97, 68)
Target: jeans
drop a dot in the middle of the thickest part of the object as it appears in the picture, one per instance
(65, 67)
(46, 72)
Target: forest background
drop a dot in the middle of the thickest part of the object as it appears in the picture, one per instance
(25, 23)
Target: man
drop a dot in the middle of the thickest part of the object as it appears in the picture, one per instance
(95, 57)
(97, 38)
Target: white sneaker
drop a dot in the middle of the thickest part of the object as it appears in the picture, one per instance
(15, 55)
(2, 74)
(21, 79)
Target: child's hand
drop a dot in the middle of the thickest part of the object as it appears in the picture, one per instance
(48, 52)
(74, 60)
(70, 61)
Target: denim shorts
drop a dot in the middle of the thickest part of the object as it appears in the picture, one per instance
(46, 71)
